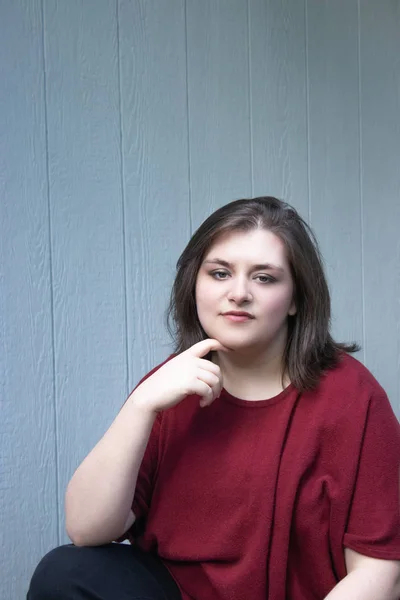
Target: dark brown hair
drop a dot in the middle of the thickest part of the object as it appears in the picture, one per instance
(310, 349)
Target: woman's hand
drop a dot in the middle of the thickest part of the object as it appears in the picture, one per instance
(185, 374)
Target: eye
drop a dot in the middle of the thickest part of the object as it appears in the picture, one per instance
(265, 278)
(219, 274)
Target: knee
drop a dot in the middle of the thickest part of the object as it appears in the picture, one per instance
(53, 576)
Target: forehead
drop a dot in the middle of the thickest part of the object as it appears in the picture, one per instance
(256, 246)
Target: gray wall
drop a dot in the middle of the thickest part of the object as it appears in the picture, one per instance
(123, 124)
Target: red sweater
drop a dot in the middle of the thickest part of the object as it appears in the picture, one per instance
(255, 500)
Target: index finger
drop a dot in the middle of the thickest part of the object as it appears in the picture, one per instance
(205, 346)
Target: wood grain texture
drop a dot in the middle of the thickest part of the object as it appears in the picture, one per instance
(218, 99)
(278, 100)
(87, 225)
(28, 502)
(155, 157)
(380, 135)
(335, 203)
(123, 124)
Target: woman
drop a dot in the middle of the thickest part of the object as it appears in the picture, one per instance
(262, 459)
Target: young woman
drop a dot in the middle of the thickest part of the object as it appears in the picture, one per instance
(260, 461)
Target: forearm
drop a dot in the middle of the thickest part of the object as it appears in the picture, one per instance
(367, 584)
(99, 496)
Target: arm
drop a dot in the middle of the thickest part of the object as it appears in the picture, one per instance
(368, 579)
(99, 496)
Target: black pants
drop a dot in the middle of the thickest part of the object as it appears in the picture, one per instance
(111, 572)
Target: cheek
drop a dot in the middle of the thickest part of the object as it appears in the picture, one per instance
(208, 303)
(203, 297)
(206, 292)
(278, 303)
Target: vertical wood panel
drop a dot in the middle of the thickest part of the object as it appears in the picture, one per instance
(27, 457)
(87, 233)
(334, 156)
(155, 157)
(246, 132)
(380, 134)
(218, 94)
(278, 100)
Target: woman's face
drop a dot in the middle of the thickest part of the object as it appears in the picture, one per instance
(244, 291)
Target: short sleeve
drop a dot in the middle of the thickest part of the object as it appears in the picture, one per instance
(374, 522)
(144, 485)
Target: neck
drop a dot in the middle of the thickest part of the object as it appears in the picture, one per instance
(251, 375)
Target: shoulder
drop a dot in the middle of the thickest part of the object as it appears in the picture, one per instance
(348, 394)
(351, 411)
(350, 379)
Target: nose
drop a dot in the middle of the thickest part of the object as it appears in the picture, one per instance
(239, 291)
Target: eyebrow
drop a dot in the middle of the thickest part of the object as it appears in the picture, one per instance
(260, 267)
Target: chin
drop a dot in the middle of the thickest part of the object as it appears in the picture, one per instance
(233, 342)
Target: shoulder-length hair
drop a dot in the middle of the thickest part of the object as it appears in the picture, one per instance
(310, 349)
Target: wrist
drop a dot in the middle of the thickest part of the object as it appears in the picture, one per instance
(139, 403)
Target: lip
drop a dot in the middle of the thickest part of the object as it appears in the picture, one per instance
(237, 315)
